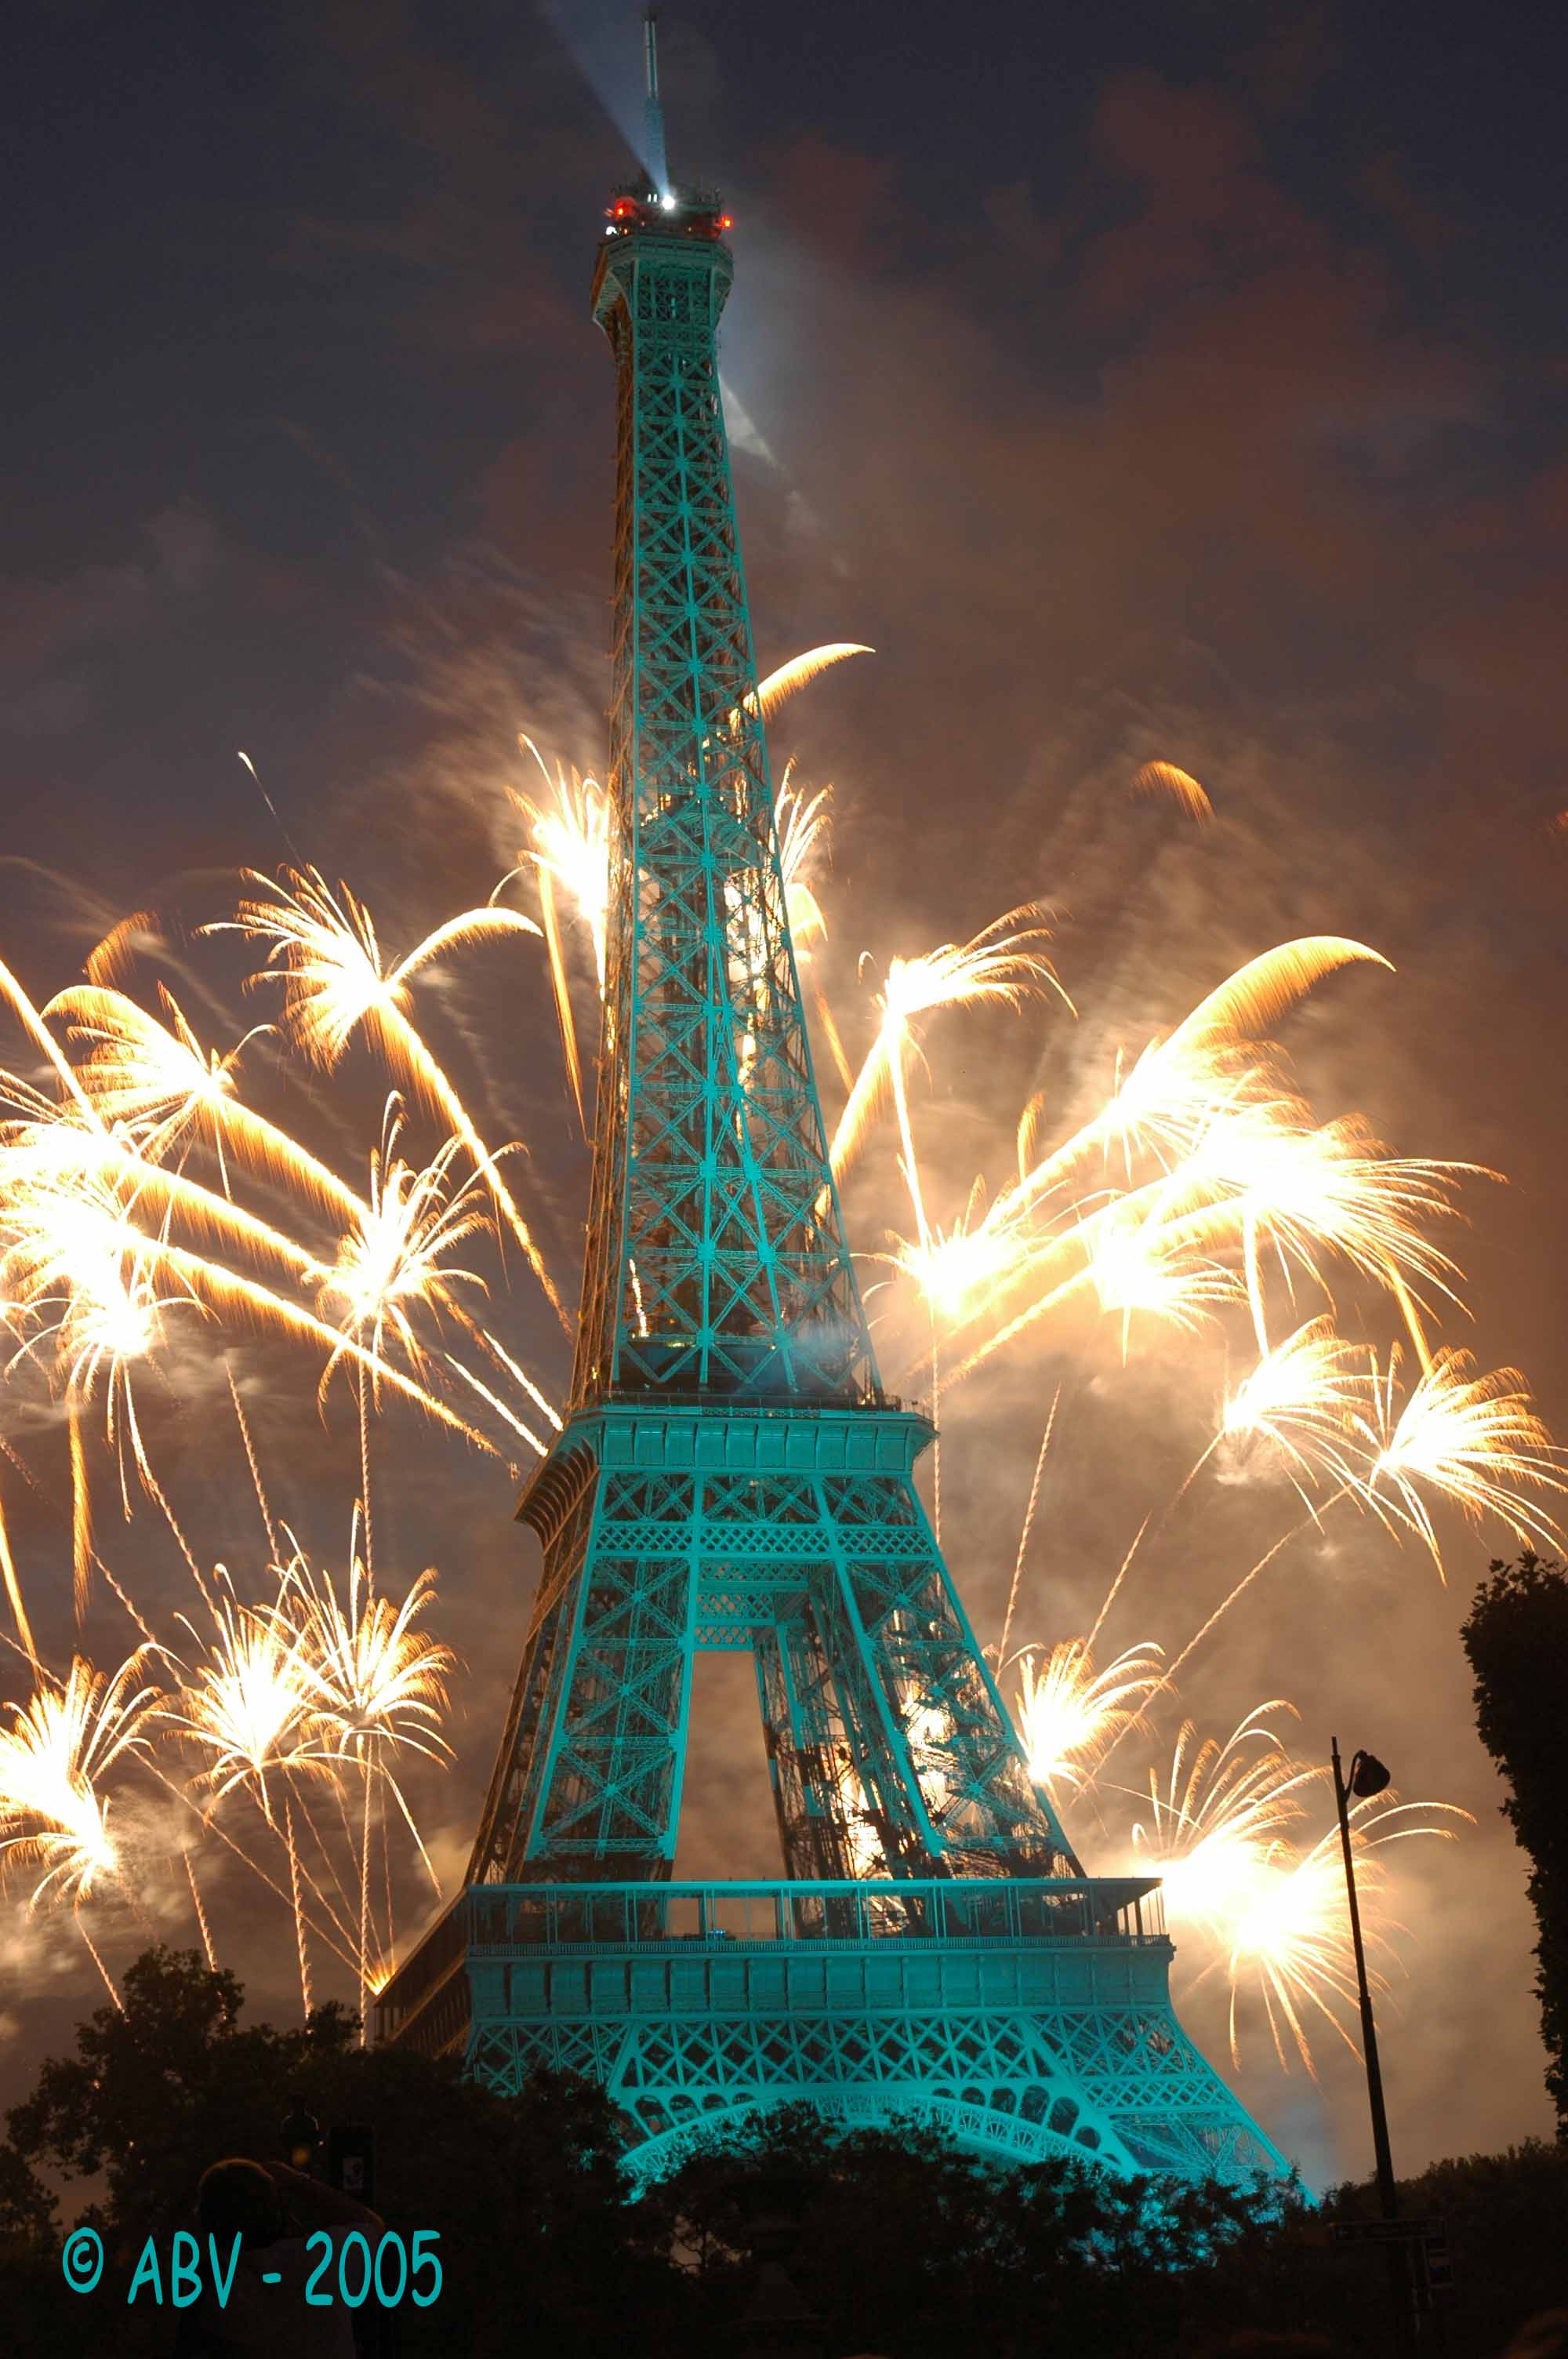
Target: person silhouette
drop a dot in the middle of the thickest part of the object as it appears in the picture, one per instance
(272, 2210)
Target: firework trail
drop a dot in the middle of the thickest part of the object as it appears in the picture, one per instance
(782, 684)
(1028, 1524)
(108, 1978)
(1164, 778)
(159, 1081)
(205, 1930)
(391, 1264)
(324, 950)
(1001, 964)
(13, 1591)
(376, 1683)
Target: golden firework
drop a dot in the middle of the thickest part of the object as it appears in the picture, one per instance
(54, 1756)
(1069, 1714)
(322, 948)
(1472, 1439)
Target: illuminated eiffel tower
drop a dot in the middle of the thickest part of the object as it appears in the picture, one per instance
(732, 1475)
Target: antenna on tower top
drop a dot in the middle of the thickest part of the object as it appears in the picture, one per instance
(652, 113)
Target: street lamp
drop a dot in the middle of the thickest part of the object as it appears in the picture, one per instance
(1368, 1776)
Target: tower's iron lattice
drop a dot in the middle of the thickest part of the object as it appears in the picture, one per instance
(730, 1475)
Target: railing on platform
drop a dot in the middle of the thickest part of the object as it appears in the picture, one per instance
(933, 1909)
(502, 1921)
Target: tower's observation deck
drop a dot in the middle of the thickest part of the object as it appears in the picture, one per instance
(731, 1476)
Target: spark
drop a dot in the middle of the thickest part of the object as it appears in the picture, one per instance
(1175, 1087)
(781, 684)
(391, 1263)
(1291, 1932)
(571, 848)
(51, 1155)
(1472, 1439)
(375, 1684)
(1328, 1187)
(248, 1705)
(1001, 964)
(72, 1250)
(1069, 1713)
(952, 1267)
(570, 855)
(1226, 1837)
(1257, 1174)
(1136, 1266)
(1164, 778)
(157, 1080)
(1305, 1400)
(1217, 1815)
(323, 948)
(54, 1756)
(803, 821)
(372, 1680)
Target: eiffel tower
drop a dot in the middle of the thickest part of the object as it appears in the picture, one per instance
(732, 1475)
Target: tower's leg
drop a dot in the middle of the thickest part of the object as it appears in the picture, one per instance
(891, 1754)
(901, 1635)
(816, 1798)
(598, 1721)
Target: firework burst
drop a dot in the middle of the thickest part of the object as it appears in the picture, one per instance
(1069, 1714)
(322, 948)
(54, 1758)
(1471, 1439)
(1003, 964)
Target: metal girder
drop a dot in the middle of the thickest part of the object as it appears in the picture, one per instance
(872, 1664)
(1027, 2017)
(731, 1474)
(715, 1253)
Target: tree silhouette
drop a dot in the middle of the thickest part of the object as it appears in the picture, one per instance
(1517, 1639)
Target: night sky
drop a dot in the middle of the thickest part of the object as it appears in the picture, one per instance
(1182, 383)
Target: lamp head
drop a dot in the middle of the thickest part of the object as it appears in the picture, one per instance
(1367, 1776)
(301, 2135)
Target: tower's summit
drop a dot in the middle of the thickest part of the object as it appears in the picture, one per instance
(717, 1261)
(654, 201)
(730, 1477)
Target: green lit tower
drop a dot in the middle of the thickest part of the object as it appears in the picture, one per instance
(732, 1475)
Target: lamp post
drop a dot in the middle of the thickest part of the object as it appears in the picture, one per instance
(1368, 1776)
